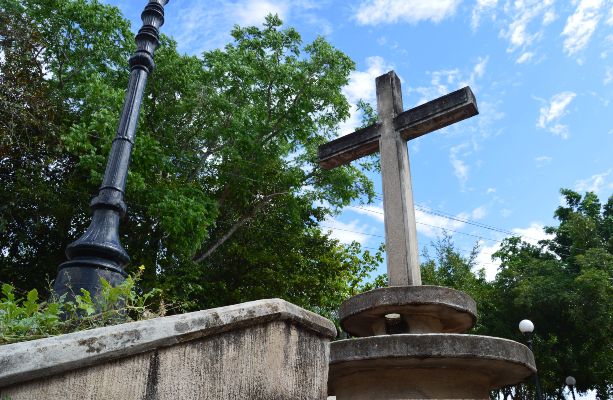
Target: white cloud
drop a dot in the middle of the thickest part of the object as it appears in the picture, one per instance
(198, 26)
(371, 12)
(549, 17)
(428, 224)
(596, 183)
(486, 3)
(608, 45)
(482, 7)
(440, 81)
(347, 232)
(489, 114)
(362, 86)
(532, 234)
(542, 161)
(522, 15)
(371, 210)
(479, 212)
(610, 18)
(362, 83)
(608, 77)
(484, 260)
(479, 68)
(525, 57)
(552, 112)
(433, 225)
(581, 25)
(253, 12)
(560, 130)
(490, 190)
(324, 27)
(446, 80)
(460, 168)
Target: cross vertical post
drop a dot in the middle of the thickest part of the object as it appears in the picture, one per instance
(400, 232)
(389, 136)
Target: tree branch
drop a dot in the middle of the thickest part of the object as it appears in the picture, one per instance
(243, 220)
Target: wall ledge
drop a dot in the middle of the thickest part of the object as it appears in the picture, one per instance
(24, 361)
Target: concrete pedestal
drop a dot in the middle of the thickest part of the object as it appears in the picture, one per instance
(423, 309)
(418, 350)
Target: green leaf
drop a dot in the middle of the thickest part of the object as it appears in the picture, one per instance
(7, 291)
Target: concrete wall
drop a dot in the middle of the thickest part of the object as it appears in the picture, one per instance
(267, 349)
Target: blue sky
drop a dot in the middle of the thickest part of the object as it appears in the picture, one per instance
(542, 73)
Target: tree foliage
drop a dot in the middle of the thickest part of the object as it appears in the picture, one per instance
(53, 55)
(564, 285)
(225, 197)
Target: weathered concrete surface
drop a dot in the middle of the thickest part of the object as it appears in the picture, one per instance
(426, 366)
(350, 147)
(267, 349)
(424, 309)
(437, 114)
(400, 231)
(410, 124)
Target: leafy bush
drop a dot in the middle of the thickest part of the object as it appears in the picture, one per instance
(28, 318)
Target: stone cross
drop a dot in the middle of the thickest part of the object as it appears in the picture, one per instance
(389, 136)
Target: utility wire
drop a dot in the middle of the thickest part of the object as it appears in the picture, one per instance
(379, 197)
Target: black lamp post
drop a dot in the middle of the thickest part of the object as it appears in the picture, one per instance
(571, 382)
(526, 327)
(98, 253)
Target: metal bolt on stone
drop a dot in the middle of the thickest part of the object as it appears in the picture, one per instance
(98, 252)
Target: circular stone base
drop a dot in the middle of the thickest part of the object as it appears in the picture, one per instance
(427, 366)
(422, 309)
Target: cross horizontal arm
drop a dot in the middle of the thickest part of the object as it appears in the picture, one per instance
(350, 147)
(436, 114)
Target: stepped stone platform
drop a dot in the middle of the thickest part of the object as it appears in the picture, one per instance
(414, 348)
(266, 349)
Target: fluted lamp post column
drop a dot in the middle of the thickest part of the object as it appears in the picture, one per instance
(571, 382)
(98, 253)
(526, 327)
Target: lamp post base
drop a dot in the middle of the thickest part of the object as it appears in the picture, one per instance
(79, 276)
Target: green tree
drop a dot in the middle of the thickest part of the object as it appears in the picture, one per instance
(225, 197)
(449, 268)
(565, 286)
(53, 54)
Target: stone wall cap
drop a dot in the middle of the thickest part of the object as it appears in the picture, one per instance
(43, 357)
